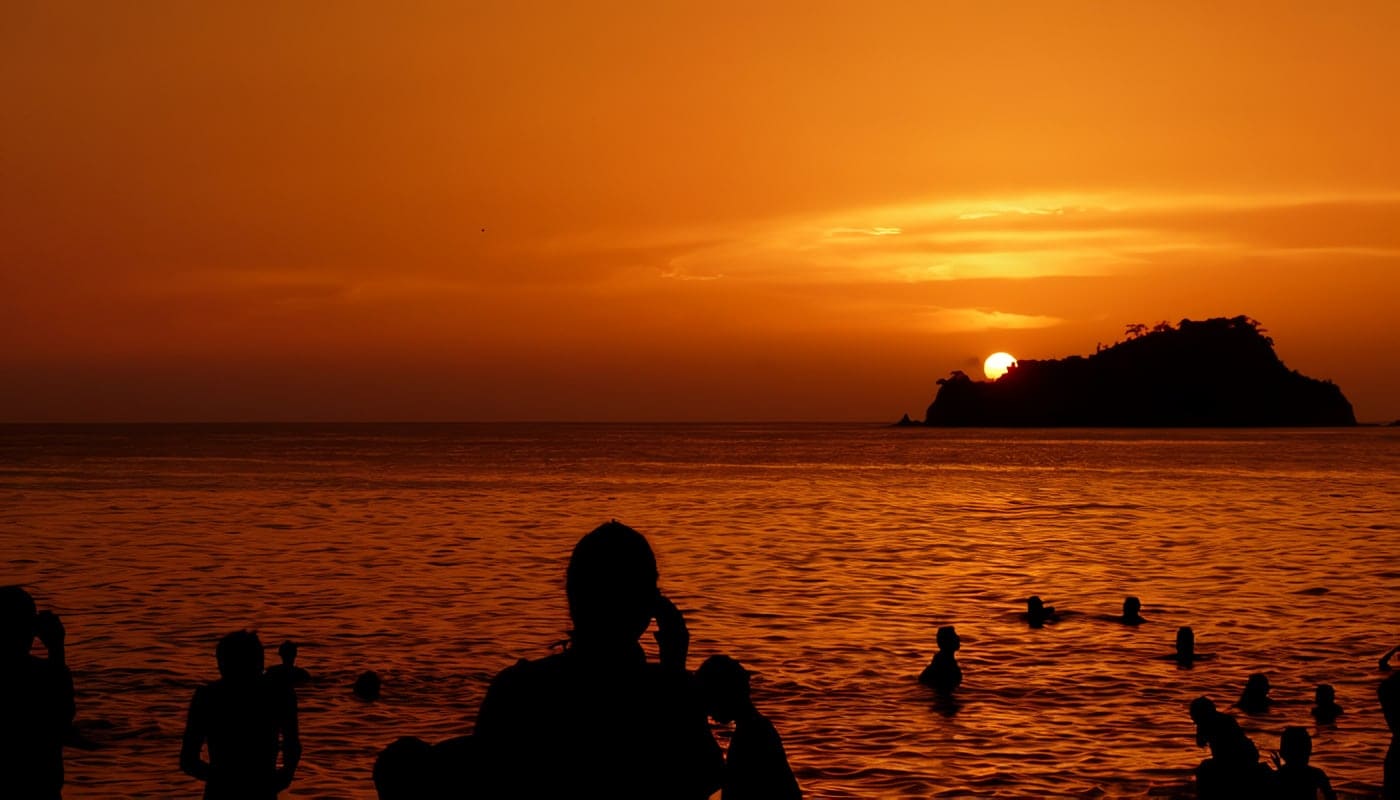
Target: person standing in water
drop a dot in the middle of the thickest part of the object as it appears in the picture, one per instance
(599, 719)
(246, 720)
(36, 700)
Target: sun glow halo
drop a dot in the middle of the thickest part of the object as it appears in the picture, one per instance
(997, 364)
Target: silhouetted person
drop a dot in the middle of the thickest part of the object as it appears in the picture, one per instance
(1132, 608)
(1325, 708)
(405, 771)
(247, 720)
(367, 686)
(1295, 779)
(943, 672)
(1255, 697)
(288, 672)
(1233, 769)
(36, 700)
(411, 769)
(1389, 695)
(1185, 654)
(1037, 613)
(756, 766)
(598, 719)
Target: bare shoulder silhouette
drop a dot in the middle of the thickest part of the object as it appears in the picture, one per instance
(36, 695)
(599, 719)
(246, 721)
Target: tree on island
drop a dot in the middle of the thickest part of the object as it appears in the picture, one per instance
(1209, 373)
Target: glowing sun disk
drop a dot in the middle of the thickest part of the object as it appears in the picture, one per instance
(997, 364)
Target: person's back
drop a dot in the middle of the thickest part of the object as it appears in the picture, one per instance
(246, 721)
(599, 720)
(1295, 779)
(36, 704)
(756, 765)
(567, 726)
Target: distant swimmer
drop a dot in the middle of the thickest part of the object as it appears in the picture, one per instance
(1186, 655)
(288, 672)
(756, 765)
(943, 673)
(1255, 697)
(1325, 708)
(36, 699)
(367, 686)
(1295, 778)
(1037, 613)
(245, 720)
(1132, 608)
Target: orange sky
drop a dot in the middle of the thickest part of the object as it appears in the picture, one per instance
(705, 211)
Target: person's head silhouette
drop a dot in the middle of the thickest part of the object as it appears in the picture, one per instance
(724, 686)
(1185, 642)
(611, 584)
(240, 656)
(18, 615)
(1132, 609)
(288, 652)
(1295, 746)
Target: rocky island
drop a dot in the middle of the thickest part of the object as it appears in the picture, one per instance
(1220, 372)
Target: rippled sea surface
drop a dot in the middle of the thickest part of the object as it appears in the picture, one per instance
(822, 556)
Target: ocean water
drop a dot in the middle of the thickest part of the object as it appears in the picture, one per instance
(824, 557)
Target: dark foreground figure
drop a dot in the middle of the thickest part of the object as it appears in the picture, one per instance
(756, 767)
(246, 719)
(1233, 771)
(412, 769)
(1389, 695)
(599, 720)
(1296, 779)
(36, 700)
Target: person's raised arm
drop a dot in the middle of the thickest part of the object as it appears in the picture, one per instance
(672, 635)
(49, 629)
(1385, 659)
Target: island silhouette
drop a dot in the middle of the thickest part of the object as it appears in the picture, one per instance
(1219, 372)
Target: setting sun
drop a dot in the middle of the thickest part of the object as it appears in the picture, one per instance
(997, 364)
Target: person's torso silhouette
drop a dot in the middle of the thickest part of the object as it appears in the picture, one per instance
(36, 702)
(599, 720)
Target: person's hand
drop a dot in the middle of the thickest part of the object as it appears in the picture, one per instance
(672, 636)
(50, 631)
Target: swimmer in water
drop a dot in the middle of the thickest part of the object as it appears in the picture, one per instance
(1131, 608)
(1186, 655)
(1255, 697)
(1037, 613)
(1326, 710)
(943, 672)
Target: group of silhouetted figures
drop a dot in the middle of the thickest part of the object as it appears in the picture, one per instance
(598, 719)
(1234, 769)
